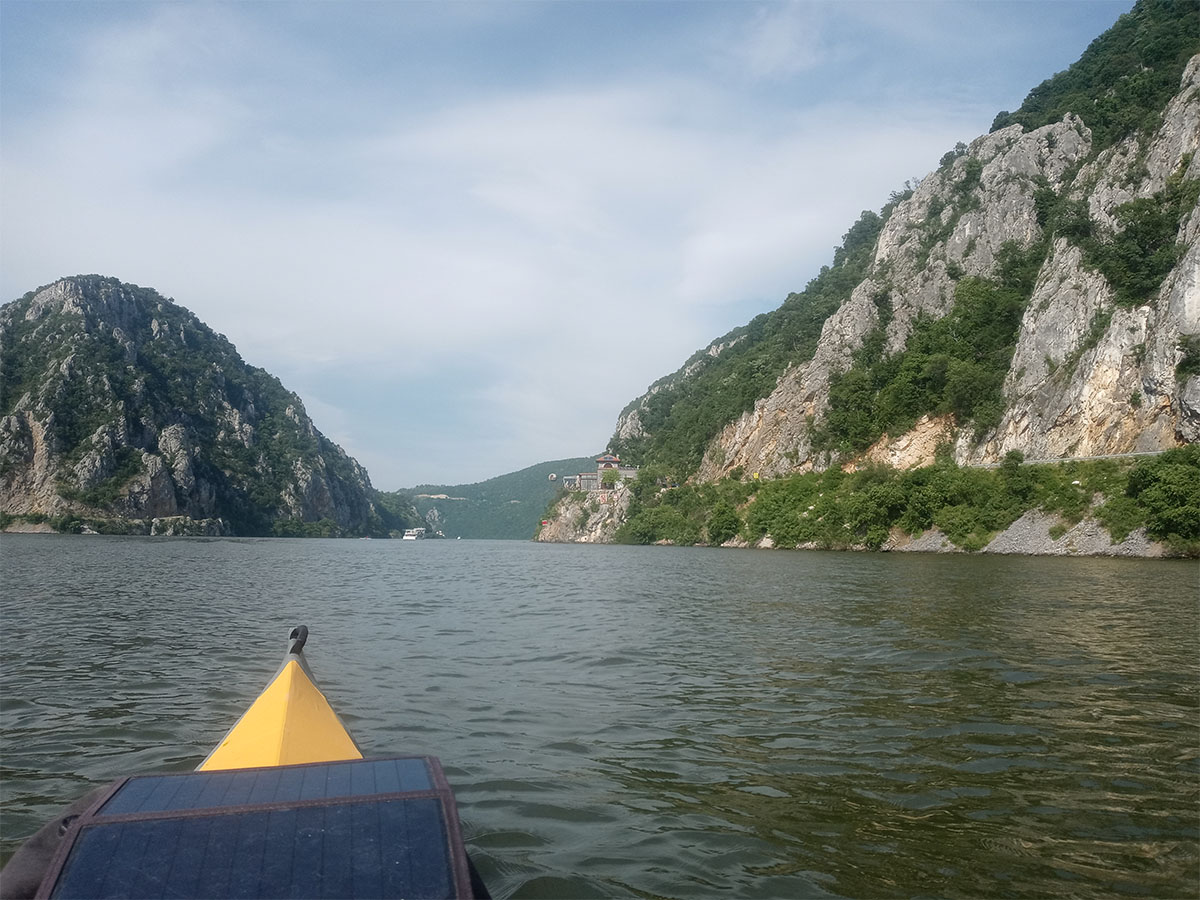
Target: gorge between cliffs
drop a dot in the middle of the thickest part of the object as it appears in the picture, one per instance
(1005, 357)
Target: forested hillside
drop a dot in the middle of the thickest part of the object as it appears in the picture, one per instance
(121, 411)
(1123, 81)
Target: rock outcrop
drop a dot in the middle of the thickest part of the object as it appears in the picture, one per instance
(1069, 390)
(587, 517)
(1036, 296)
(1089, 375)
(118, 404)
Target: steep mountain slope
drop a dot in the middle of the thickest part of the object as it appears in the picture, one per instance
(507, 507)
(120, 407)
(1040, 292)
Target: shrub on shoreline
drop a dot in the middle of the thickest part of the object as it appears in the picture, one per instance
(841, 510)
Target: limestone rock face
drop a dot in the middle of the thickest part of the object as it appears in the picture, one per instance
(1088, 377)
(115, 403)
(917, 447)
(1078, 386)
(587, 517)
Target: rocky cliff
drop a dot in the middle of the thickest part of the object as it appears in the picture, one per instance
(586, 517)
(118, 406)
(1039, 292)
(1089, 375)
(1090, 218)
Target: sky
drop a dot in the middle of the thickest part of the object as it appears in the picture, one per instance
(468, 234)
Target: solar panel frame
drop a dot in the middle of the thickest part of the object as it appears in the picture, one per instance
(242, 815)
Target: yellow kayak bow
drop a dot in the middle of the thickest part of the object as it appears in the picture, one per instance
(285, 806)
(290, 723)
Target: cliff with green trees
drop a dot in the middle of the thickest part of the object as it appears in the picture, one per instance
(1145, 506)
(120, 411)
(1037, 293)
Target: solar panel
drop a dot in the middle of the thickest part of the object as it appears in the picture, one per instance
(360, 828)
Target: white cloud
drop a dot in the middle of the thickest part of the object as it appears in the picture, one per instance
(780, 40)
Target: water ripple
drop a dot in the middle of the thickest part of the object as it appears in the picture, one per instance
(648, 722)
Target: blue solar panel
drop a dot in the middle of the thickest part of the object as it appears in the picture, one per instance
(364, 828)
(210, 790)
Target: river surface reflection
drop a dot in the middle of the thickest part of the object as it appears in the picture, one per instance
(656, 722)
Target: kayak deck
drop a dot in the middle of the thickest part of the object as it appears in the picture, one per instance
(284, 806)
(290, 723)
(360, 828)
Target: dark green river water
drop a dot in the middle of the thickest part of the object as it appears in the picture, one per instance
(656, 722)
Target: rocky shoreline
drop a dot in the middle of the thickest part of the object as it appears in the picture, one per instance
(582, 519)
(162, 526)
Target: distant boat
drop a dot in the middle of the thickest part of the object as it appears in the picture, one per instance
(413, 534)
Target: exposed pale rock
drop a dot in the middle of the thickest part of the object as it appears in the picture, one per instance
(1030, 535)
(629, 425)
(588, 517)
(176, 450)
(151, 493)
(30, 528)
(930, 541)
(773, 438)
(917, 447)
(197, 462)
(1000, 210)
(1077, 386)
(185, 526)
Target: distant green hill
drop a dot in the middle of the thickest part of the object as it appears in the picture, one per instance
(507, 507)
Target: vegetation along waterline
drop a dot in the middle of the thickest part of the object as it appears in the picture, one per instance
(1147, 506)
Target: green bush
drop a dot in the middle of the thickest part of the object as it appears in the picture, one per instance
(1167, 488)
(955, 364)
(1120, 515)
(970, 505)
(660, 523)
(1123, 80)
(1142, 251)
(723, 523)
(66, 524)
